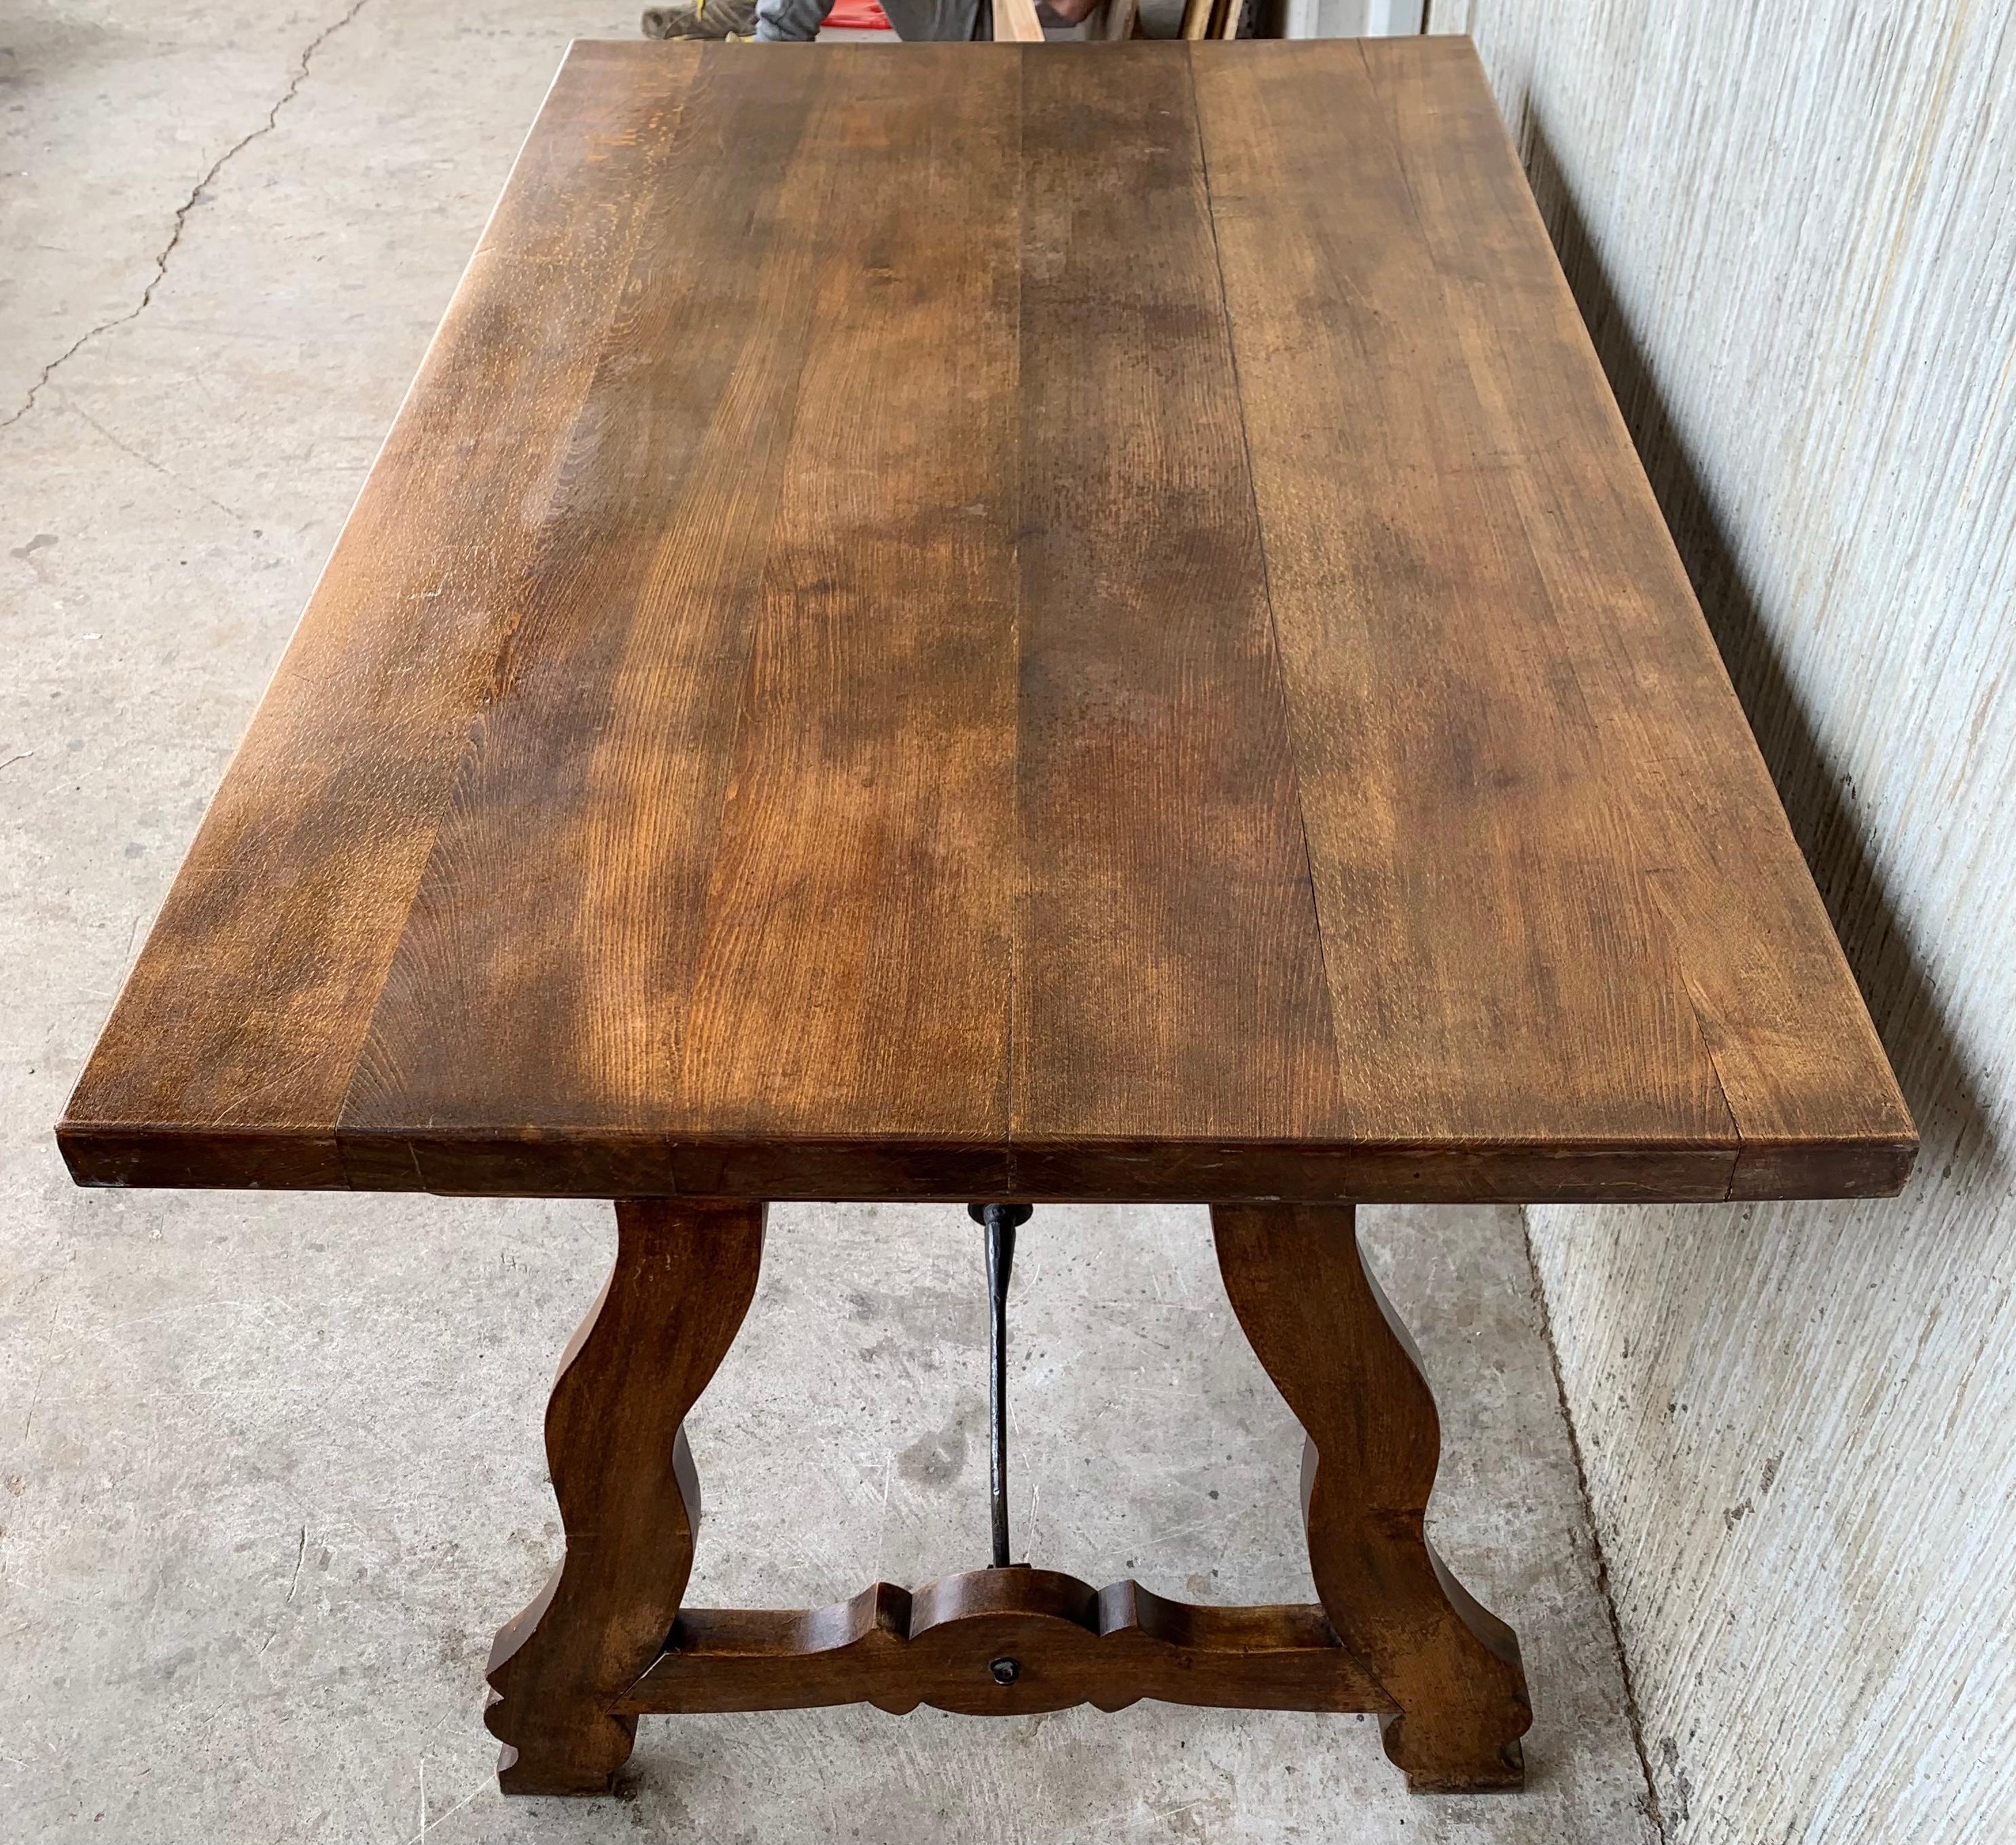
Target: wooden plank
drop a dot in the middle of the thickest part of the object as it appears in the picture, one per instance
(1015, 21)
(1118, 20)
(241, 1020)
(739, 842)
(853, 976)
(1795, 1051)
(1169, 983)
(1557, 894)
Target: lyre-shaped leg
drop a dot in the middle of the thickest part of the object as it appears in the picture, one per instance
(686, 1272)
(1336, 1351)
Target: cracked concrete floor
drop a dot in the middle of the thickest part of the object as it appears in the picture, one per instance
(271, 1465)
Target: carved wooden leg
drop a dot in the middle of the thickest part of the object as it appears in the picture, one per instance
(686, 1272)
(1336, 1351)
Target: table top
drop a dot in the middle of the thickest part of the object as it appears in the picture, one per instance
(967, 621)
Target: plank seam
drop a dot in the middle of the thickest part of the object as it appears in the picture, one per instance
(1011, 1083)
(1266, 578)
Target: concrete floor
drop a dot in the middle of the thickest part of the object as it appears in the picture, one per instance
(271, 1465)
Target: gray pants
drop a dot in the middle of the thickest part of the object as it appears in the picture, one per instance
(958, 20)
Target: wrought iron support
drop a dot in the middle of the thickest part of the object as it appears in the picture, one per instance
(1000, 1221)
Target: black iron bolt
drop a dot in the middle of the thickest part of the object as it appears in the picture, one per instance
(1006, 1670)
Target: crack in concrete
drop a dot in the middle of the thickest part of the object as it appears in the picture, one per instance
(1632, 1719)
(161, 468)
(187, 206)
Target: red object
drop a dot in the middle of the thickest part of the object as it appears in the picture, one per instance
(859, 16)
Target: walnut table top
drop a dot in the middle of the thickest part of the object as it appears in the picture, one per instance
(965, 621)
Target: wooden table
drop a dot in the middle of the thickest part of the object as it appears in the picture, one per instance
(995, 623)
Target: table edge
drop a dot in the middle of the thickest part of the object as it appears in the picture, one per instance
(605, 1164)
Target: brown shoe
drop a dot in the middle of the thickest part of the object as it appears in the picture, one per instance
(701, 18)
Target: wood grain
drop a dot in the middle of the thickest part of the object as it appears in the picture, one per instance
(1057, 626)
(1343, 1361)
(854, 971)
(235, 1039)
(629, 1497)
(1070, 1643)
(1161, 835)
(574, 853)
(769, 880)
(1527, 782)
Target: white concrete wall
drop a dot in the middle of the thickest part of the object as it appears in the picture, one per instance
(1792, 230)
